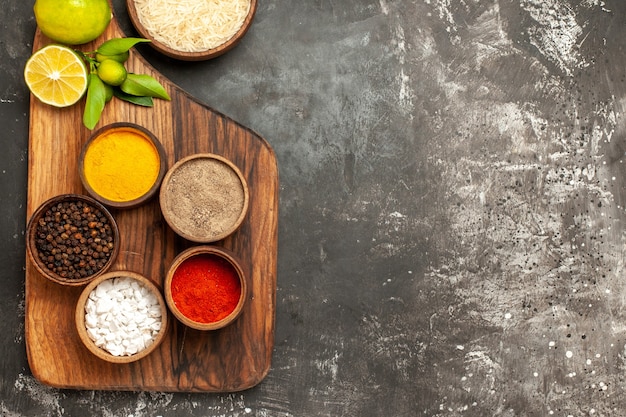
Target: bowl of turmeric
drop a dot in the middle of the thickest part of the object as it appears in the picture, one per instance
(122, 165)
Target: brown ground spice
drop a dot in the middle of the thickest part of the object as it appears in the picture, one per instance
(204, 197)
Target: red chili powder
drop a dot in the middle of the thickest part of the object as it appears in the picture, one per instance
(205, 288)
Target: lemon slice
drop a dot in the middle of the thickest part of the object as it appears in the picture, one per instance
(56, 75)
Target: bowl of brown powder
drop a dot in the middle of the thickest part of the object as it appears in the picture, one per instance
(204, 198)
(192, 30)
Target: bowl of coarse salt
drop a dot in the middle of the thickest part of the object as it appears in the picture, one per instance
(192, 30)
(121, 316)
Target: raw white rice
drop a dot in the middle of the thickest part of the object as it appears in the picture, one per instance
(192, 25)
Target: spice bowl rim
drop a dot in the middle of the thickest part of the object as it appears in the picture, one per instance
(31, 248)
(79, 317)
(203, 250)
(169, 218)
(147, 134)
(191, 56)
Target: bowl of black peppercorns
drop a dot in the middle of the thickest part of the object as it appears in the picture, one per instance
(72, 239)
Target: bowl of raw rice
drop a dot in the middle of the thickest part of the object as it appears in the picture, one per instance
(192, 30)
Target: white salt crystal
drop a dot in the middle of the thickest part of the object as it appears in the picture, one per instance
(103, 288)
(93, 333)
(122, 283)
(154, 311)
(114, 349)
(103, 305)
(91, 320)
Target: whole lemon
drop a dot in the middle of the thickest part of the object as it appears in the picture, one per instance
(111, 72)
(72, 22)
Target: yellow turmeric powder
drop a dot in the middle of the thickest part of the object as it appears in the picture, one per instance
(121, 165)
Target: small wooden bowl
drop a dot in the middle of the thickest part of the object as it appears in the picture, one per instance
(211, 252)
(204, 198)
(81, 325)
(104, 134)
(33, 230)
(190, 56)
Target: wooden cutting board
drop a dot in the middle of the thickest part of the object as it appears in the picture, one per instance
(233, 359)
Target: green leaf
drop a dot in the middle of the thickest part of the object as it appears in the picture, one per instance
(138, 100)
(108, 89)
(143, 85)
(94, 104)
(118, 45)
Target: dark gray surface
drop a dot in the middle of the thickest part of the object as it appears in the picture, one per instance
(451, 217)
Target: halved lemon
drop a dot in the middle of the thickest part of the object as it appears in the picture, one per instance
(56, 75)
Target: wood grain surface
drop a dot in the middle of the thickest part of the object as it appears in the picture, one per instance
(233, 359)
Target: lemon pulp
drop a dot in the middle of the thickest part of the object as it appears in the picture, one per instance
(56, 75)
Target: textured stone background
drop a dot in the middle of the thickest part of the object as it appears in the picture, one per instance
(452, 208)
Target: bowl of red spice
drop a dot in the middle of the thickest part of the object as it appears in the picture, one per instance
(205, 287)
(72, 239)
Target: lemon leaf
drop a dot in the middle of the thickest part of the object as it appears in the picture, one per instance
(143, 85)
(138, 100)
(118, 45)
(94, 104)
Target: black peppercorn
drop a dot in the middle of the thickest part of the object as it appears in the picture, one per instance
(68, 239)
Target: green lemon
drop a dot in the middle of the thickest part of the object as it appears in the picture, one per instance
(112, 72)
(72, 22)
(123, 57)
